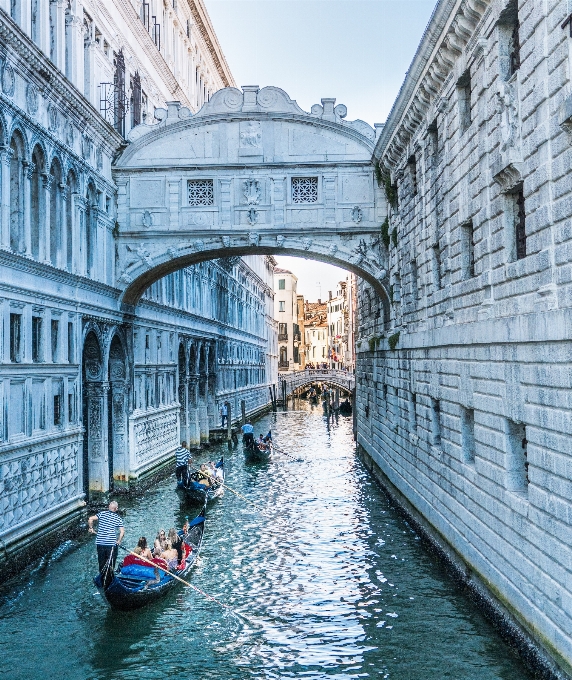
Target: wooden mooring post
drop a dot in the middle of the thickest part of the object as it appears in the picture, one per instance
(243, 411)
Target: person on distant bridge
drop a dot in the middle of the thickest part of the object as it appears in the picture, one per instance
(247, 434)
(223, 415)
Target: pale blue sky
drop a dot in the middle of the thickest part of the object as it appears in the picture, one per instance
(355, 50)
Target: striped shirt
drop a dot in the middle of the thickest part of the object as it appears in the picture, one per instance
(107, 525)
(182, 456)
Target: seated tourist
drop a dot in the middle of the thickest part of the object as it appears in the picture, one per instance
(170, 556)
(177, 543)
(204, 475)
(160, 543)
(142, 549)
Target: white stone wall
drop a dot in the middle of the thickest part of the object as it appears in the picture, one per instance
(483, 356)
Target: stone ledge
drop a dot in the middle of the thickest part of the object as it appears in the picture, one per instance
(537, 658)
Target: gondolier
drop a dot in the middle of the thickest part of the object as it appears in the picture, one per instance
(248, 435)
(107, 541)
(182, 458)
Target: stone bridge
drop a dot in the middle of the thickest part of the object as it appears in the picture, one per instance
(250, 173)
(333, 377)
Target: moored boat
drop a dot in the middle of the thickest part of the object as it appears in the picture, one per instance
(254, 452)
(135, 584)
(199, 494)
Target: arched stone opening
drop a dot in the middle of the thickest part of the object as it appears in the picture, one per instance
(69, 221)
(193, 427)
(96, 471)
(39, 203)
(18, 167)
(183, 392)
(117, 418)
(57, 221)
(91, 228)
(203, 393)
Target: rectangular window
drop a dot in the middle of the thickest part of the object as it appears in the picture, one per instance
(468, 434)
(304, 189)
(36, 339)
(70, 342)
(509, 41)
(467, 251)
(414, 282)
(55, 327)
(201, 191)
(71, 404)
(435, 422)
(516, 457)
(413, 411)
(16, 338)
(38, 405)
(464, 101)
(281, 284)
(296, 355)
(433, 137)
(57, 410)
(412, 164)
(436, 262)
(281, 306)
(520, 225)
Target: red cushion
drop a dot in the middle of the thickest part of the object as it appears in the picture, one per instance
(133, 559)
(160, 562)
(188, 549)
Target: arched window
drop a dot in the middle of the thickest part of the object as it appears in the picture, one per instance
(17, 194)
(91, 228)
(56, 213)
(36, 201)
(71, 190)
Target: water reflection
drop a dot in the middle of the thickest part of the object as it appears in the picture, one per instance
(326, 582)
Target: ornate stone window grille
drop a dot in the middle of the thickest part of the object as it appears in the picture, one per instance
(201, 191)
(304, 189)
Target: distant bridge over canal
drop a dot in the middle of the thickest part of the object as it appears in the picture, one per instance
(290, 382)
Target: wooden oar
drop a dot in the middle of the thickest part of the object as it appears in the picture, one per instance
(178, 578)
(297, 460)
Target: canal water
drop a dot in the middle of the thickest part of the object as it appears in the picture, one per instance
(326, 581)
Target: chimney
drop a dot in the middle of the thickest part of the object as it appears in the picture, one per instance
(329, 295)
(319, 301)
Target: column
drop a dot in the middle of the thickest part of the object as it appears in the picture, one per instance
(119, 434)
(194, 429)
(43, 26)
(45, 233)
(78, 229)
(184, 415)
(26, 237)
(5, 160)
(74, 42)
(58, 22)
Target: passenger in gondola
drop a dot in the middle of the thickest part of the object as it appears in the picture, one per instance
(268, 437)
(176, 543)
(170, 556)
(142, 549)
(160, 543)
(204, 476)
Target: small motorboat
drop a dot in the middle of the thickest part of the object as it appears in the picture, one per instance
(137, 582)
(199, 494)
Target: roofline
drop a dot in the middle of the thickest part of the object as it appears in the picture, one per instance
(206, 29)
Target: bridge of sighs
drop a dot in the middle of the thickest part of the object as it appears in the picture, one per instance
(250, 173)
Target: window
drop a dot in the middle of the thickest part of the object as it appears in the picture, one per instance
(135, 99)
(304, 190)
(71, 404)
(515, 224)
(201, 192)
(436, 422)
(517, 457)
(436, 261)
(433, 137)
(16, 338)
(467, 251)
(509, 41)
(468, 434)
(412, 163)
(414, 281)
(413, 411)
(36, 339)
(296, 355)
(57, 402)
(464, 101)
(70, 342)
(281, 284)
(281, 306)
(55, 327)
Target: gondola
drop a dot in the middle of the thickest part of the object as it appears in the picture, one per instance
(199, 494)
(133, 584)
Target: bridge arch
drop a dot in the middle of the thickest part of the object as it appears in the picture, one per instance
(250, 173)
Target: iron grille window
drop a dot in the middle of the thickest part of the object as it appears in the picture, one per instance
(135, 99)
(201, 191)
(304, 190)
(55, 337)
(15, 338)
(120, 107)
(36, 339)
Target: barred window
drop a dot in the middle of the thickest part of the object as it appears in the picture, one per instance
(201, 192)
(304, 189)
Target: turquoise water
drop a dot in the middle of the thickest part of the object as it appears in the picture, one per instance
(324, 579)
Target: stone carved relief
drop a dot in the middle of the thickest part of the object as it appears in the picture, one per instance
(357, 214)
(251, 190)
(37, 483)
(147, 219)
(251, 135)
(8, 79)
(507, 107)
(32, 98)
(252, 216)
(155, 435)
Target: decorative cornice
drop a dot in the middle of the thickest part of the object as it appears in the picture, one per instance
(47, 74)
(203, 22)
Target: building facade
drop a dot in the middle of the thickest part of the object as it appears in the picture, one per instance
(316, 342)
(286, 315)
(464, 388)
(341, 320)
(94, 399)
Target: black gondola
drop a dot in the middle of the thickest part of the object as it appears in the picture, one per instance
(199, 494)
(134, 585)
(254, 452)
